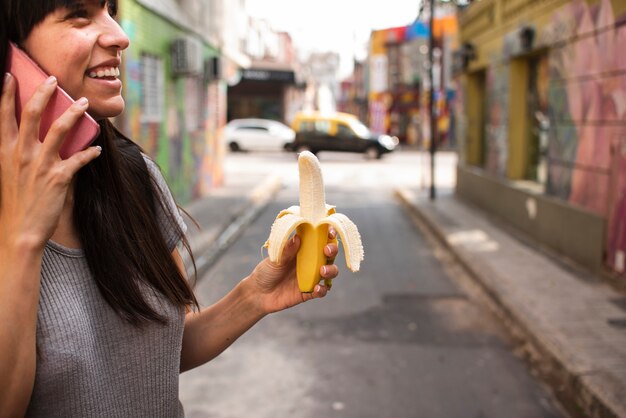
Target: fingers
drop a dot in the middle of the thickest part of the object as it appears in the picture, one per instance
(59, 129)
(81, 159)
(32, 111)
(8, 123)
(330, 251)
(319, 291)
(329, 271)
(290, 250)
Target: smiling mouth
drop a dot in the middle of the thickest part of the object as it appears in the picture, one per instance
(111, 73)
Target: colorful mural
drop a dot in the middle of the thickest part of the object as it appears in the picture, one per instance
(586, 101)
(587, 106)
(575, 109)
(497, 117)
(183, 137)
(398, 99)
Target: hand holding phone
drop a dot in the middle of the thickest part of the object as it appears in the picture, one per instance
(29, 76)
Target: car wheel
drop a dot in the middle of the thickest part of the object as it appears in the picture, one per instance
(372, 153)
(234, 147)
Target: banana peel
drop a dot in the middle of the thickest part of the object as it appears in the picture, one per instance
(311, 221)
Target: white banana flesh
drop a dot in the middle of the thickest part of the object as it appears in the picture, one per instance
(311, 221)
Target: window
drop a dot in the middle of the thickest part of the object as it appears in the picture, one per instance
(307, 126)
(152, 88)
(253, 128)
(322, 126)
(344, 131)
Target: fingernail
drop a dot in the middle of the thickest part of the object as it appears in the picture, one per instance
(99, 148)
(7, 77)
(82, 101)
(324, 270)
(51, 80)
(317, 288)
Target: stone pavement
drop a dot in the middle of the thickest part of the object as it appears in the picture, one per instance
(575, 322)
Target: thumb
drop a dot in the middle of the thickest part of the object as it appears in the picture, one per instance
(290, 250)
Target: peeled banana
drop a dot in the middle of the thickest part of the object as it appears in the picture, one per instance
(311, 221)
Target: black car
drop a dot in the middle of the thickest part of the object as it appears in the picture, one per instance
(338, 132)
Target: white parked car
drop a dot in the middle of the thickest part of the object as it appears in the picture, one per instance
(258, 135)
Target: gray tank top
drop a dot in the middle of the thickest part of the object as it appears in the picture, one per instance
(90, 362)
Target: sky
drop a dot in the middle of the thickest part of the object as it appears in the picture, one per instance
(342, 26)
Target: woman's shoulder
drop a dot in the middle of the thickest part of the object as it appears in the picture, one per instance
(152, 165)
(153, 169)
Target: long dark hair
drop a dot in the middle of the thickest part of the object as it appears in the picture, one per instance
(116, 203)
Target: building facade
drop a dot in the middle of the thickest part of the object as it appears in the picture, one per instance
(400, 82)
(353, 93)
(174, 89)
(270, 87)
(543, 132)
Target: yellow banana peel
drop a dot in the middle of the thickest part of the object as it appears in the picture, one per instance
(311, 221)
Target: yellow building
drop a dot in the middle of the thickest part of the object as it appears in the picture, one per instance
(542, 121)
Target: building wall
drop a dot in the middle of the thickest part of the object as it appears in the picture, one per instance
(184, 137)
(400, 85)
(551, 115)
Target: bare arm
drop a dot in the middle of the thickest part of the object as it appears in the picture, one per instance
(19, 297)
(269, 288)
(34, 182)
(213, 329)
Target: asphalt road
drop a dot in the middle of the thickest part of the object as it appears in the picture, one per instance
(398, 339)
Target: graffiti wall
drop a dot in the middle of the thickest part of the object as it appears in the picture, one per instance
(497, 117)
(587, 109)
(574, 109)
(175, 119)
(587, 105)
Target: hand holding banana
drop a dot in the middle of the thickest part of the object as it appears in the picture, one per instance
(311, 221)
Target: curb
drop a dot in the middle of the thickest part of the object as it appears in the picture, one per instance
(588, 394)
(208, 247)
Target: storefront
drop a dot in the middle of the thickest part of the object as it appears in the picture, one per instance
(261, 93)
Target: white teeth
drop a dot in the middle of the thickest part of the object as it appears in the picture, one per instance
(108, 72)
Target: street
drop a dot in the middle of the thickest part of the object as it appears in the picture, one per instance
(400, 338)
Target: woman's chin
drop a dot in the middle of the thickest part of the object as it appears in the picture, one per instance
(111, 110)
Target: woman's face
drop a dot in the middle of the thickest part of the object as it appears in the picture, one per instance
(81, 46)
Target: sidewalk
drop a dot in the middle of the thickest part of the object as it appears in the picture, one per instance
(223, 214)
(576, 322)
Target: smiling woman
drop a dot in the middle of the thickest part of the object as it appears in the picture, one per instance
(56, 214)
(86, 65)
(98, 318)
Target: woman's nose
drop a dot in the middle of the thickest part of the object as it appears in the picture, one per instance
(113, 36)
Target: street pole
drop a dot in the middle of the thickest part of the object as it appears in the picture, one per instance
(431, 101)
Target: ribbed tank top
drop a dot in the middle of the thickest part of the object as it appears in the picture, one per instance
(90, 362)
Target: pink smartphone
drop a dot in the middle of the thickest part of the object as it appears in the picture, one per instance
(29, 76)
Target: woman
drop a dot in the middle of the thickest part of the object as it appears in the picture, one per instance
(97, 316)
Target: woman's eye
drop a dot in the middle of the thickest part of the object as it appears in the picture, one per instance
(77, 14)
